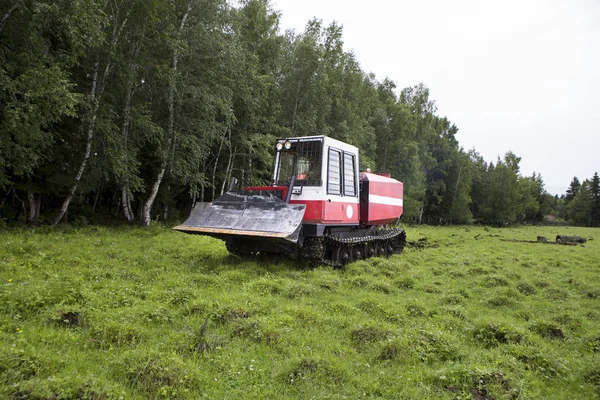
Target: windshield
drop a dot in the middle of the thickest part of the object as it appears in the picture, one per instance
(302, 159)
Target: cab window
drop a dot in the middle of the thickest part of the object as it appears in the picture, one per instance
(303, 160)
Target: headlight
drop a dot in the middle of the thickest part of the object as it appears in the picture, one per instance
(288, 145)
(279, 146)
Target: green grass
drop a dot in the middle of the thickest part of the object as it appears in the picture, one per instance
(136, 313)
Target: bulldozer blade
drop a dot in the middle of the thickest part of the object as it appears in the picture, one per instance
(246, 215)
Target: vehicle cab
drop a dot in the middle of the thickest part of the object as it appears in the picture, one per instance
(325, 173)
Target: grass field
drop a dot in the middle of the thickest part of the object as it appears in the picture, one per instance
(104, 313)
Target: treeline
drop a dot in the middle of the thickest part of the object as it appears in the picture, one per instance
(581, 204)
(136, 109)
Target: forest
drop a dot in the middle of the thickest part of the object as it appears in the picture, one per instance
(134, 110)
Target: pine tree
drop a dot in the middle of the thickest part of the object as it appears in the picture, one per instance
(573, 189)
(595, 200)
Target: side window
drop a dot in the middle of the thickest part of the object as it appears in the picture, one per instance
(349, 175)
(334, 173)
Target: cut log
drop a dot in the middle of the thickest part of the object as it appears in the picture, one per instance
(562, 239)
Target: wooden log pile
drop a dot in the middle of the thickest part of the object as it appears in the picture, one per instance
(560, 239)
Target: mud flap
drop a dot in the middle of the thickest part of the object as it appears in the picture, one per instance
(239, 215)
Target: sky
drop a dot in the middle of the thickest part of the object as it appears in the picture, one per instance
(513, 75)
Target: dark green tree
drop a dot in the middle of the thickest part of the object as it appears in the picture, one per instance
(579, 210)
(40, 41)
(573, 189)
(595, 200)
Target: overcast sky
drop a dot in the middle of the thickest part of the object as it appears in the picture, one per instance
(520, 75)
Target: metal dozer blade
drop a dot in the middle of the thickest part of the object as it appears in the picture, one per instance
(248, 222)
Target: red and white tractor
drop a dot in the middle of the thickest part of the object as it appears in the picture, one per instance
(318, 207)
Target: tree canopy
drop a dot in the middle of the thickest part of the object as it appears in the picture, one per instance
(140, 108)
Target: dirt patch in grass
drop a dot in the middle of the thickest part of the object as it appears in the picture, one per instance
(68, 319)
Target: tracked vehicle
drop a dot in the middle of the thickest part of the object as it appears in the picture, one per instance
(318, 208)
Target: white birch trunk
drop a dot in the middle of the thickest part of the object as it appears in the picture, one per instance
(229, 166)
(201, 187)
(96, 96)
(34, 208)
(6, 16)
(147, 207)
(145, 218)
(125, 199)
(228, 172)
(88, 148)
(214, 173)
